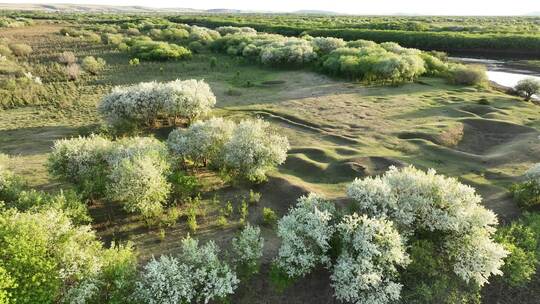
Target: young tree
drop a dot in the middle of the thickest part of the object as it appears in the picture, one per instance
(305, 233)
(528, 87)
(254, 149)
(247, 250)
(366, 269)
(197, 275)
(43, 253)
(203, 141)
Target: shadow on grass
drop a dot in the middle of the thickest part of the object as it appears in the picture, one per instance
(33, 140)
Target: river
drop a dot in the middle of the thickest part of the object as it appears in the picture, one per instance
(504, 72)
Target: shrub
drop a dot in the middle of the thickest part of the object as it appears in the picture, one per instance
(527, 193)
(366, 269)
(93, 65)
(73, 71)
(197, 275)
(67, 58)
(468, 74)
(20, 49)
(374, 64)
(305, 233)
(269, 216)
(253, 150)
(247, 250)
(254, 197)
(134, 61)
(288, 51)
(196, 47)
(418, 203)
(192, 219)
(132, 171)
(522, 244)
(183, 185)
(202, 142)
(153, 50)
(528, 87)
(114, 283)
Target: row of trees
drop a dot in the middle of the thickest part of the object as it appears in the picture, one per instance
(138, 171)
(450, 40)
(356, 59)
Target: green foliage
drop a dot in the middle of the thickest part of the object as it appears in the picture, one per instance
(192, 218)
(43, 253)
(227, 210)
(183, 185)
(522, 243)
(153, 50)
(428, 279)
(468, 75)
(93, 65)
(279, 278)
(134, 61)
(269, 216)
(244, 212)
(254, 197)
(213, 62)
(527, 193)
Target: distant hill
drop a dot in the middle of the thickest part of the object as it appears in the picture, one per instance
(89, 8)
(315, 12)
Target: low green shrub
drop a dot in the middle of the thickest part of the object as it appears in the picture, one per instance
(269, 216)
(153, 50)
(93, 65)
(527, 194)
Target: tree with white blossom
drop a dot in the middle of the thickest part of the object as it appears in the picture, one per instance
(371, 252)
(196, 275)
(436, 205)
(202, 142)
(253, 149)
(305, 232)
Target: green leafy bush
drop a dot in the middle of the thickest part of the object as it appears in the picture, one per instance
(468, 74)
(93, 65)
(527, 194)
(153, 50)
(522, 243)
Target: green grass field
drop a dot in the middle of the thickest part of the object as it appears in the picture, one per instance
(339, 130)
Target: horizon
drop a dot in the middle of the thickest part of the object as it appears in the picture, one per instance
(348, 7)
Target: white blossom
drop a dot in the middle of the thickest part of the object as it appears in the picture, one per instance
(254, 149)
(197, 275)
(305, 232)
(247, 247)
(365, 271)
(203, 141)
(425, 201)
